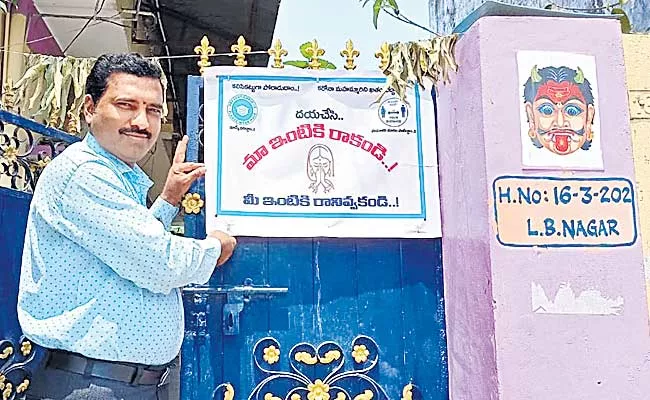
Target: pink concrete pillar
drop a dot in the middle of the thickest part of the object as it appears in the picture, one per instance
(541, 301)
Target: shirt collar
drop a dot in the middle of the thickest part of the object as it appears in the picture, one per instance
(135, 173)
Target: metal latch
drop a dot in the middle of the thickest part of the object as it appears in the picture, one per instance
(236, 297)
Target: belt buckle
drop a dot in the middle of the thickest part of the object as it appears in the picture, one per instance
(163, 377)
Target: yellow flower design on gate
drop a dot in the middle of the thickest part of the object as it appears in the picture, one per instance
(318, 391)
(10, 154)
(40, 164)
(360, 353)
(325, 382)
(192, 203)
(26, 348)
(43, 163)
(271, 354)
(23, 386)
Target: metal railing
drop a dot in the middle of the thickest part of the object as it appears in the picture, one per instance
(26, 147)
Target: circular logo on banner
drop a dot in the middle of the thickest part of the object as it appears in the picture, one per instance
(393, 112)
(242, 109)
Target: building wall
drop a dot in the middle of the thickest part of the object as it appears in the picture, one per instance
(636, 48)
(593, 340)
(446, 14)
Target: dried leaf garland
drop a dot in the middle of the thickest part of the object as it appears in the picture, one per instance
(52, 89)
(409, 63)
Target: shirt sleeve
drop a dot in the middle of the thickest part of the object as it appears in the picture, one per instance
(163, 212)
(98, 213)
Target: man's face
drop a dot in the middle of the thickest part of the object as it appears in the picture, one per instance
(126, 119)
(560, 118)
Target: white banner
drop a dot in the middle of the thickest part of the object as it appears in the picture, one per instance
(297, 153)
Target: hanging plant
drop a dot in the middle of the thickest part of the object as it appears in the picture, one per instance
(52, 90)
(407, 64)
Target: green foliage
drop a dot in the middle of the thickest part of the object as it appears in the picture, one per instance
(378, 5)
(303, 49)
(626, 26)
(297, 63)
(613, 8)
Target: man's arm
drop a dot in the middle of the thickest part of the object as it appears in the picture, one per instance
(163, 212)
(97, 213)
(180, 177)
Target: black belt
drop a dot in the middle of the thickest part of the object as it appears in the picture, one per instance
(133, 374)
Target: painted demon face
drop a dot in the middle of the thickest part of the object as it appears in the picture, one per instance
(559, 116)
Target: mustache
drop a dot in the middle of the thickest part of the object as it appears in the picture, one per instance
(124, 131)
(580, 132)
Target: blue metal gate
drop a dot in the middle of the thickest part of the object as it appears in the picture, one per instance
(361, 318)
(25, 149)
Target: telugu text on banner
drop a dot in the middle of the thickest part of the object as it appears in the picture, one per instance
(294, 153)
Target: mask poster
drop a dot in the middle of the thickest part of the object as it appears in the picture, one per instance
(301, 153)
(559, 111)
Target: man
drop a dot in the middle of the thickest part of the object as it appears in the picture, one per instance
(100, 279)
(560, 109)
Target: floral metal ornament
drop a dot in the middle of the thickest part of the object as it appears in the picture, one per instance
(366, 395)
(360, 353)
(6, 352)
(271, 354)
(309, 359)
(314, 52)
(204, 50)
(318, 390)
(14, 369)
(240, 49)
(277, 52)
(40, 164)
(26, 348)
(384, 56)
(192, 203)
(349, 53)
(9, 154)
(315, 373)
(407, 392)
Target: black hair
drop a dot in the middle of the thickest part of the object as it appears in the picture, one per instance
(107, 64)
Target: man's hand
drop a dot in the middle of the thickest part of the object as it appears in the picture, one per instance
(228, 244)
(181, 175)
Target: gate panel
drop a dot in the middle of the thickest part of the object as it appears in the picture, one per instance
(14, 207)
(384, 294)
(25, 149)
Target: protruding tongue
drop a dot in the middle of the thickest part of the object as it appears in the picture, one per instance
(562, 142)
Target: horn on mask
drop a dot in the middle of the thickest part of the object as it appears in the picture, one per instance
(534, 75)
(580, 77)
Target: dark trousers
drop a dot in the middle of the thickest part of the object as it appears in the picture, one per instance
(48, 383)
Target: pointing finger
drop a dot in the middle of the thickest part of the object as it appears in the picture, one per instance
(179, 156)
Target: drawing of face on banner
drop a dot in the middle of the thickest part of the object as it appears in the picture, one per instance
(559, 112)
